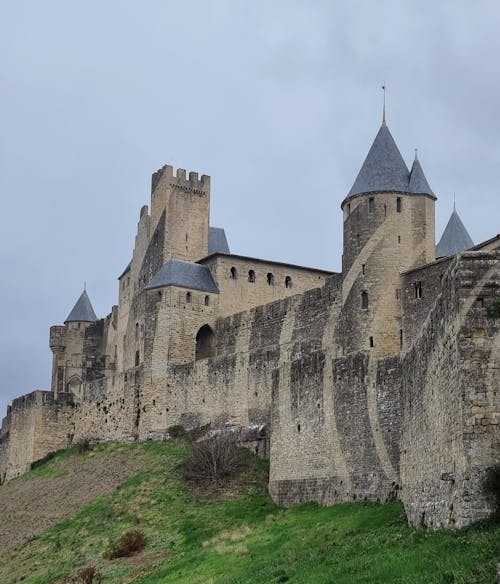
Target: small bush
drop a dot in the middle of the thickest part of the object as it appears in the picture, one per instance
(176, 432)
(83, 444)
(493, 307)
(88, 575)
(212, 461)
(130, 543)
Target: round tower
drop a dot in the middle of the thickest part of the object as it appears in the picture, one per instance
(388, 228)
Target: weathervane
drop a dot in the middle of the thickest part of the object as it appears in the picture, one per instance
(384, 87)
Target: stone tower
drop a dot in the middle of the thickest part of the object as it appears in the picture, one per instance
(68, 348)
(388, 228)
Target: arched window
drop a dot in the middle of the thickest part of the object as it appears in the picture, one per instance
(74, 386)
(288, 282)
(205, 343)
(364, 299)
(251, 276)
(188, 297)
(270, 279)
(233, 273)
(207, 300)
(137, 358)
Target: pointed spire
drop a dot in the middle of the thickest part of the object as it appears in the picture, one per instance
(418, 183)
(455, 237)
(82, 311)
(383, 169)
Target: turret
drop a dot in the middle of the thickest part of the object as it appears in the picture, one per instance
(455, 237)
(67, 345)
(388, 228)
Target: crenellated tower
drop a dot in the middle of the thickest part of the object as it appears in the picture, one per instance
(388, 228)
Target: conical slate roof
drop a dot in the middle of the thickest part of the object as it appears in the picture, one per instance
(82, 311)
(455, 237)
(383, 169)
(418, 182)
(185, 275)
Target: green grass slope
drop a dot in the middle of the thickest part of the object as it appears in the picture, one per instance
(237, 536)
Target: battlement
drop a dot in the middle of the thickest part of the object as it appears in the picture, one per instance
(178, 179)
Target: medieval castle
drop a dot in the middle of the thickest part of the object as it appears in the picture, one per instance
(376, 382)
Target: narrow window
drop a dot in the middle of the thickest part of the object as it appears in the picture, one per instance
(397, 293)
(348, 208)
(371, 205)
(399, 238)
(364, 299)
(251, 276)
(137, 358)
(400, 338)
(398, 204)
(357, 238)
(298, 427)
(136, 331)
(371, 343)
(270, 279)
(159, 295)
(418, 289)
(385, 210)
(363, 266)
(288, 282)
(207, 300)
(233, 273)
(188, 297)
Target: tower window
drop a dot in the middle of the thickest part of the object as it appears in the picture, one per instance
(385, 210)
(371, 205)
(364, 299)
(399, 238)
(401, 338)
(233, 273)
(418, 289)
(372, 344)
(288, 282)
(188, 297)
(207, 300)
(137, 358)
(363, 268)
(136, 331)
(398, 204)
(251, 276)
(348, 208)
(270, 279)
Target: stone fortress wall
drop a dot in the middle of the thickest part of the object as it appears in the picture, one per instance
(376, 383)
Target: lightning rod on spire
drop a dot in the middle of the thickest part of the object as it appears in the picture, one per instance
(384, 87)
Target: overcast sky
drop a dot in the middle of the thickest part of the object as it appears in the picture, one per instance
(279, 101)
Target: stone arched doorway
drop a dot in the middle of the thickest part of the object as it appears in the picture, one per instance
(205, 343)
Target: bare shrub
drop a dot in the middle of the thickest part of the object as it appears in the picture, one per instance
(130, 543)
(88, 575)
(176, 432)
(212, 460)
(83, 444)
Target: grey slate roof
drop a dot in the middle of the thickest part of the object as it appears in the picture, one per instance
(385, 170)
(217, 242)
(455, 237)
(82, 311)
(418, 182)
(185, 275)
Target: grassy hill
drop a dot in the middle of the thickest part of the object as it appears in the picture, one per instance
(70, 511)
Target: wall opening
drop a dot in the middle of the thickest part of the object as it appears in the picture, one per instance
(205, 343)
(364, 299)
(270, 279)
(363, 268)
(188, 297)
(137, 358)
(372, 344)
(400, 338)
(371, 205)
(288, 282)
(74, 386)
(251, 276)
(207, 300)
(399, 204)
(233, 273)
(418, 289)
